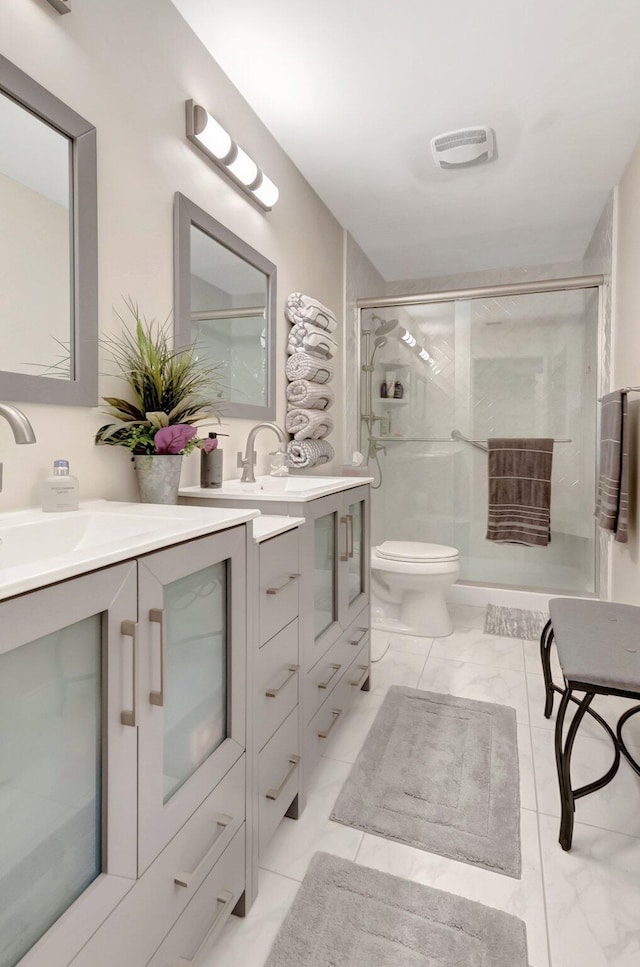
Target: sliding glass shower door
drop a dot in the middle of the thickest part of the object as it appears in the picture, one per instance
(521, 365)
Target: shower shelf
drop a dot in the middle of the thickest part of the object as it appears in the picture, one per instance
(386, 401)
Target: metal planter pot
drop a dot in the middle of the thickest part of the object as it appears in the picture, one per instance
(158, 477)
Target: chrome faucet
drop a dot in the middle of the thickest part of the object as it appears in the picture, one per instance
(248, 461)
(22, 429)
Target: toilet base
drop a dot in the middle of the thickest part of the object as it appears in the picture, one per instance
(426, 614)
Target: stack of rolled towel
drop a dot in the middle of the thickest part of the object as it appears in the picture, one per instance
(311, 347)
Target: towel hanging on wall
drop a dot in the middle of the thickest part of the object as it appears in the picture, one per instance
(612, 501)
(520, 491)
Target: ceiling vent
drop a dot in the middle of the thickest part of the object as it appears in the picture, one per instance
(463, 148)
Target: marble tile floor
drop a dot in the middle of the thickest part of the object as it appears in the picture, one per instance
(582, 909)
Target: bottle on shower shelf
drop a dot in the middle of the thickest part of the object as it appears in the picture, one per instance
(398, 390)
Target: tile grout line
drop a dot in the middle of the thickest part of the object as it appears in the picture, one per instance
(538, 814)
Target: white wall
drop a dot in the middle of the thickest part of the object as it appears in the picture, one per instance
(625, 558)
(128, 68)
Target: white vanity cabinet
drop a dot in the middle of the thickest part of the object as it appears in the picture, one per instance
(123, 759)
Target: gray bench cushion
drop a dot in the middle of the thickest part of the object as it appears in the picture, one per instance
(598, 642)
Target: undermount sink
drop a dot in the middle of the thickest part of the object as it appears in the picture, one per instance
(38, 548)
(32, 540)
(277, 488)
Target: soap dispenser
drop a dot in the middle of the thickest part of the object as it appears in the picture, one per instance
(211, 465)
(60, 491)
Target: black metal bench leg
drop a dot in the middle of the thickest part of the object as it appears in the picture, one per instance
(563, 762)
(546, 640)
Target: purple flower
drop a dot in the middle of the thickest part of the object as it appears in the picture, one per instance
(209, 444)
(173, 439)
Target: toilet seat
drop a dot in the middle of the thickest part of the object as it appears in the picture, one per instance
(416, 552)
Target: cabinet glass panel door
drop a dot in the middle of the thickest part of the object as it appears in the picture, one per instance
(51, 713)
(192, 612)
(324, 584)
(355, 520)
(195, 703)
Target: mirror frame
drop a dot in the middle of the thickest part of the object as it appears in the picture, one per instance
(82, 389)
(186, 214)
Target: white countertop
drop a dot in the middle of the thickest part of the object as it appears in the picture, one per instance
(291, 489)
(270, 525)
(38, 549)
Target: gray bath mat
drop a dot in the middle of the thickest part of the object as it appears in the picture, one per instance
(440, 773)
(514, 622)
(346, 915)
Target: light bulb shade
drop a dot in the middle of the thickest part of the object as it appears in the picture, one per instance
(217, 144)
(211, 135)
(267, 193)
(243, 168)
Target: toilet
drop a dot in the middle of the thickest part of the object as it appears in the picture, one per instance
(409, 581)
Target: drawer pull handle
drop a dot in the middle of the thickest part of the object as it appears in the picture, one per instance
(365, 671)
(345, 556)
(184, 879)
(129, 629)
(272, 692)
(294, 761)
(357, 641)
(336, 669)
(157, 616)
(281, 587)
(324, 733)
(225, 898)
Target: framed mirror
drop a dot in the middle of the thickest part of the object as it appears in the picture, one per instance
(48, 247)
(225, 303)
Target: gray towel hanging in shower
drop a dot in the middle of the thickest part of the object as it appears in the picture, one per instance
(520, 490)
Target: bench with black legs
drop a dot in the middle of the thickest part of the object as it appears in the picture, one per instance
(598, 646)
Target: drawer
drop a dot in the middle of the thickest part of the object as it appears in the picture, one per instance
(278, 777)
(334, 710)
(325, 675)
(279, 584)
(133, 931)
(208, 910)
(277, 680)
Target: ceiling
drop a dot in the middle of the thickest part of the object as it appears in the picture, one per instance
(354, 90)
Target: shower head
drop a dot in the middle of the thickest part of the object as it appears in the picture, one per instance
(386, 327)
(379, 341)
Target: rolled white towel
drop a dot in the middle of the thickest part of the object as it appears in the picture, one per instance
(302, 308)
(313, 396)
(305, 336)
(308, 424)
(302, 365)
(309, 453)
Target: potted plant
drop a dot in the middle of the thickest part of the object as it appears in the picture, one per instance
(171, 390)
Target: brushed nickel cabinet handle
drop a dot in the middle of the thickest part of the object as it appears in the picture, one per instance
(345, 556)
(363, 633)
(365, 671)
(272, 692)
(281, 587)
(336, 669)
(349, 519)
(156, 615)
(129, 629)
(225, 898)
(294, 761)
(324, 733)
(184, 879)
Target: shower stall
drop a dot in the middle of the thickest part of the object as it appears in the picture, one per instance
(442, 373)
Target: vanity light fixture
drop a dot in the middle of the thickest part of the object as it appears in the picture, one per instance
(212, 139)
(62, 6)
